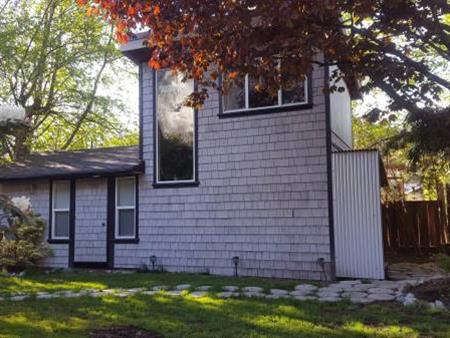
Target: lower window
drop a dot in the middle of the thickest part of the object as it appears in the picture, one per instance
(60, 210)
(125, 208)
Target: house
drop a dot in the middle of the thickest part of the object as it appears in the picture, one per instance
(272, 181)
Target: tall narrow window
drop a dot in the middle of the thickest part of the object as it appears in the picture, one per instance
(175, 132)
(125, 207)
(60, 210)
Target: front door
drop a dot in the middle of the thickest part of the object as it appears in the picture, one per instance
(90, 240)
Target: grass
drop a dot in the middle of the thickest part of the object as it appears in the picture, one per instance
(204, 317)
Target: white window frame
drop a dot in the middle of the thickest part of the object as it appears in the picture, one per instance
(55, 210)
(156, 138)
(126, 207)
(280, 100)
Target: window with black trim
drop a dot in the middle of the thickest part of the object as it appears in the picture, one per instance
(247, 98)
(125, 227)
(60, 210)
(175, 130)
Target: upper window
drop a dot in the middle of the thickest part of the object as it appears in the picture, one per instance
(125, 207)
(246, 98)
(175, 126)
(60, 210)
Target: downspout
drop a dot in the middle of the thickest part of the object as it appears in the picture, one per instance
(329, 171)
(141, 112)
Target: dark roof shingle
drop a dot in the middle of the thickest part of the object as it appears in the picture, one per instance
(79, 163)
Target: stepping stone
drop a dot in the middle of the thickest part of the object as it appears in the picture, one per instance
(381, 297)
(438, 305)
(72, 295)
(328, 295)
(136, 290)
(108, 291)
(18, 298)
(230, 288)
(227, 294)
(350, 282)
(279, 292)
(306, 287)
(174, 293)
(273, 296)
(298, 293)
(328, 289)
(67, 293)
(360, 287)
(95, 294)
(354, 295)
(361, 300)
(160, 288)
(45, 296)
(340, 286)
(253, 294)
(198, 294)
(252, 289)
(304, 298)
(150, 293)
(182, 287)
(203, 288)
(329, 299)
(380, 290)
(122, 294)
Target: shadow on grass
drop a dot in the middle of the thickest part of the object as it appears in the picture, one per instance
(82, 279)
(210, 317)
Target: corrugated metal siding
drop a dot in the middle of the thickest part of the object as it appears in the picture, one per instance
(357, 215)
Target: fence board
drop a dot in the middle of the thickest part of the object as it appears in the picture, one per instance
(414, 224)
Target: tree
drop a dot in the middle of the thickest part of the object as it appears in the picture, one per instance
(433, 170)
(53, 62)
(388, 44)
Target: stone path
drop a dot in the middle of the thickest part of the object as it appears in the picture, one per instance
(402, 271)
(354, 291)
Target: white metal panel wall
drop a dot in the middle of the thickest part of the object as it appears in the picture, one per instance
(341, 116)
(357, 215)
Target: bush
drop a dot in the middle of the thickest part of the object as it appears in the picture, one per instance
(21, 235)
(443, 261)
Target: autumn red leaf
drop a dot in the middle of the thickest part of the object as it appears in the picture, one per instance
(384, 44)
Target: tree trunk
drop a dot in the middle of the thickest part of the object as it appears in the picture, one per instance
(21, 146)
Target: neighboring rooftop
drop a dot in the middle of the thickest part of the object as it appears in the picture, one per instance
(79, 163)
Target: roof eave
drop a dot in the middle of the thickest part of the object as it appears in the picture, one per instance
(135, 170)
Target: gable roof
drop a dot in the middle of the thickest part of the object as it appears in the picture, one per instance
(79, 163)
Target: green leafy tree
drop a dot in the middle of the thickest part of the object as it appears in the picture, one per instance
(433, 170)
(53, 62)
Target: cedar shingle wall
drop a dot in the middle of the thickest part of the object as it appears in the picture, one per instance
(90, 216)
(39, 194)
(262, 196)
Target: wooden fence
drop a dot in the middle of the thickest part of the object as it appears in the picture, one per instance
(415, 225)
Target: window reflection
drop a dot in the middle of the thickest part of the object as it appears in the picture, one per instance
(175, 125)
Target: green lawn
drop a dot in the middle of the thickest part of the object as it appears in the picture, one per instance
(204, 317)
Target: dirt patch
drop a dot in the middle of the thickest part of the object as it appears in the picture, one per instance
(123, 332)
(437, 289)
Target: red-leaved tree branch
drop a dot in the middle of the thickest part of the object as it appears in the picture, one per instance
(398, 46)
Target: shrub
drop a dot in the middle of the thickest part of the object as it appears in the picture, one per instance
(443, 261)
(21, 235)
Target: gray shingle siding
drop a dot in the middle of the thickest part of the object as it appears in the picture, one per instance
(262, 196)
(39, 194)
(91, 218)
